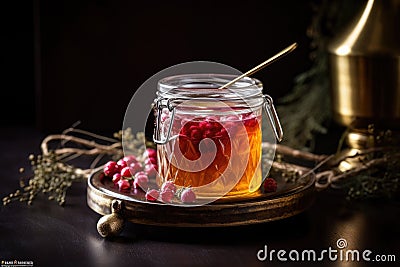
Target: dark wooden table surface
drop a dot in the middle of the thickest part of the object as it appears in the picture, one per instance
(50, 235)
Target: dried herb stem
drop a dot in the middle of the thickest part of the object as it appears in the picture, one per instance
(97, 148)
(295, 153)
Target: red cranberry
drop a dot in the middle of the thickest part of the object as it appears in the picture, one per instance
(196, 134)
(208, 134)
(141, 176)
(122, 164)
(152, 195)
(205, 125)
(141, 181)
(110, 168)
(123, 184)
(188, 196)
(270, 185)
(166, 196)
(135, 167)
(223, 133)
(168, 185)
(149, 161)
(193, 128)
(126, 172)
(129, 159)
(110, 164)
(213, 126)
(116, 177)
(185, 130)
(151, 153)
(150, 170)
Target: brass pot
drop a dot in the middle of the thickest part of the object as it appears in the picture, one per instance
(365, 68)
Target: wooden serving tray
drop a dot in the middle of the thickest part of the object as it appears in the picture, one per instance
(291, 198)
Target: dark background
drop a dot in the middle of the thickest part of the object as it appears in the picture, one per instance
(64, 61)
(69, 61)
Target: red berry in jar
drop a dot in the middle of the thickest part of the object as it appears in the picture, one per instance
(194, 127)
(204, 125)
(152, 195)
(188, 196)
(222, 133)
(270, 185)
(126, 172)
(123, 184)
(208, 134)
(196, 134)
(213, 126)
(110, 168)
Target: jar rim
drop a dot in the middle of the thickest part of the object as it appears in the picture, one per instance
(206, 85)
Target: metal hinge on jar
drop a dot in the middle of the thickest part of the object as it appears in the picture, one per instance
(273, 117)
(160, 104)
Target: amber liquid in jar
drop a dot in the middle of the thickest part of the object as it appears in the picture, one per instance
(237, 139)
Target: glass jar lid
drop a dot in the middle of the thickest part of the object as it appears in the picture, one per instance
(189, 86)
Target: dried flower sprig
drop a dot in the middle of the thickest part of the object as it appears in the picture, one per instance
(50, 176)
(53, 171)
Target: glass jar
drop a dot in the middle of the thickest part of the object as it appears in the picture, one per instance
(209, 138)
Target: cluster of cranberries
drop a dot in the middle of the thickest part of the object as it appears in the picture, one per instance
(209, 127)
(197, 130)
(167, 192)
(129, 173)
